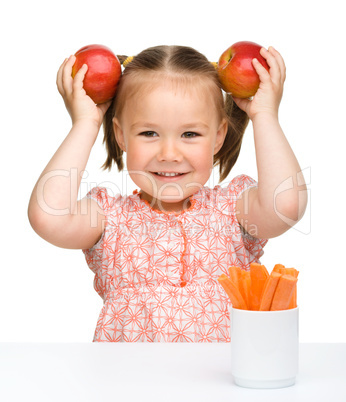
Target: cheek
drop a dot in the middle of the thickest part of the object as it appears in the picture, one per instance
(135, 157)
(203, 157)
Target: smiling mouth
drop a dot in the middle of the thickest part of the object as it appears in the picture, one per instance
(168, 175)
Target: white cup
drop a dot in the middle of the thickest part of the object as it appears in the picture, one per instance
(264, 347)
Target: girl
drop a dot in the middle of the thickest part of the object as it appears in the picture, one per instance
(157, 253)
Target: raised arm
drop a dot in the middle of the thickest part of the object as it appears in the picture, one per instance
(280, 199)
(54, 211)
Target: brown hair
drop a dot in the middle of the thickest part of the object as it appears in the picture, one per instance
(186, 63)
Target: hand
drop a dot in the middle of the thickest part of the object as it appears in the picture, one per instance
(267, 98)
(79, 105)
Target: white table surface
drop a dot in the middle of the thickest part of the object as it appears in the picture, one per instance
(162, 372)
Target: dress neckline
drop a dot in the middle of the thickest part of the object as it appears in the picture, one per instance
(195, 205)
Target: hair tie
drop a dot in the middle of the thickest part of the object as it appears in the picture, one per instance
(127, 61)
(214, 63)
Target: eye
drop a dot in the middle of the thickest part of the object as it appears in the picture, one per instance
(147, 133)
(190, 134)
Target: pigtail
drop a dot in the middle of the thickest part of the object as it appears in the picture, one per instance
(229, 152)
(114, 152)
(121, 58)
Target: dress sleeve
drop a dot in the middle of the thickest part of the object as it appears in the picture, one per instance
(235, 189)
(94, 254)
(100, 195)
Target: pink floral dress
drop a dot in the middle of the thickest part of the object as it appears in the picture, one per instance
(157, 272)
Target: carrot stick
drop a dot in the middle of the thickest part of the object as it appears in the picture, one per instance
(279, 268)
(269, 290)
(283, 292)
(232, 292)
(234, 274)
(294, 273)
(259, 275)
(245, 285)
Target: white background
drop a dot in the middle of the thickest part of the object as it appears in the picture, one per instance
(46, 293)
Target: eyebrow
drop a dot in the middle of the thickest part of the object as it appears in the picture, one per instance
(155, 126)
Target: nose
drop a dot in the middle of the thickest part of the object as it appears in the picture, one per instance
(169, 151)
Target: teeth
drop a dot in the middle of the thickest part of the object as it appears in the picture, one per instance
(168, 174)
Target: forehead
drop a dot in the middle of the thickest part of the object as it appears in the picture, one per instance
(139, 86)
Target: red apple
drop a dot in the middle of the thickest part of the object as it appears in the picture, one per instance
(104, 71)
(236, 72)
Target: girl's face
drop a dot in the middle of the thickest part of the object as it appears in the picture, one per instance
(172, 129)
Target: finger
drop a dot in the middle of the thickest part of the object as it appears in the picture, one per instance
(104, 106)
(59, 78)
(261, 71)
(280, 62)
(243, 104)
(79, 77)
(274, 68)
(67, 74)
